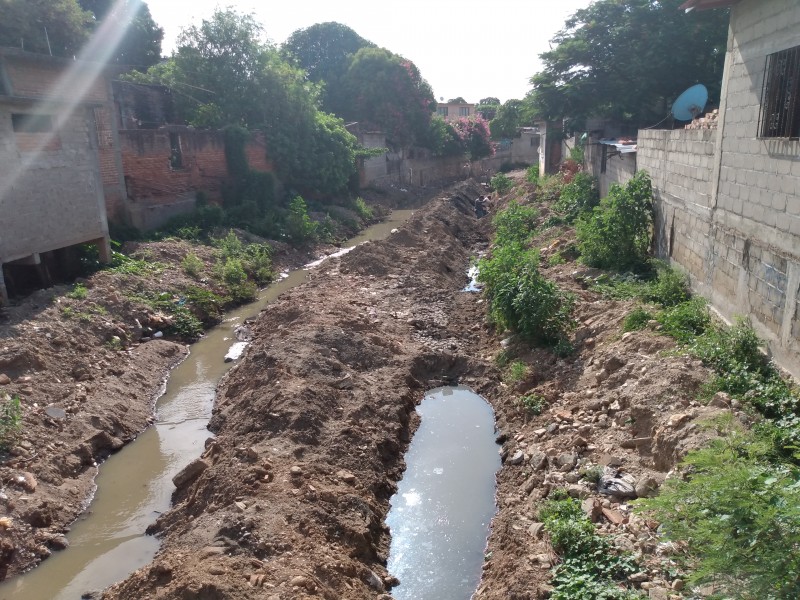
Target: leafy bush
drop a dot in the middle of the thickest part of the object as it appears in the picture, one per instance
(580, 195)
(363, 210)
(192, 265)
(636, 319)
(515, 224)
(534, 403)
(204, 304)
(616, 234)
(78, 292)
(670, 288)
(685, 321)
(231, 272)
(10, 421)
(549, 188)
(501, 183)
(299, 227)
(517, 371)
(532, 174)
(738, 512)
(520, 298)
(591, 568)
(121, 263)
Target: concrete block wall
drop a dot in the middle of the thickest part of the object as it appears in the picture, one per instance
(53, 198)
(619, 169)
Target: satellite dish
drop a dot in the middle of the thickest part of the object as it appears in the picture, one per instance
(690, 103)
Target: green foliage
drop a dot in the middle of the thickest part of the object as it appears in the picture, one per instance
(591, 473)
(299, 227)
(324, 51)
(363, 210)
(520, 298)
(78, 292)
(442, 138)
(515, 224)
(517, 371)
(636, 319)
(532, 174)
(577, 154)
(501, 183)
(387, 91)
(24, 21)
(252, 260)
(508, 120)
(474, 134)
(599, 65)
(204, 304)
(127, 265)
(192, 265)
(534, 403)
(578, 196)
(549, 188)
(670, 288)
(616, 234)
(10, 421)
(591, 568)
(685, 321)
(739, 512)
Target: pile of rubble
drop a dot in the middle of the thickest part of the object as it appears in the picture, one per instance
(708, 121)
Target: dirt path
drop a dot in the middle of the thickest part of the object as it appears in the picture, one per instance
(289, 499)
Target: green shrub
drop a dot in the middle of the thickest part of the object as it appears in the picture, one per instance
(534, 403)
(670, 288)
(738, 512)
(616, 234)
(578, 196)
(121, 263)
(232, 272)
(300, 229)
(636, 319)
(591, 567)
(501, 183)
(515, 224)
(686, 320)
(619, 287)
(192, 265)
(520, 298)
(78, 292)
(363, 210)
(517, 371)
(532, 174)
(205, 304)
(549, 188)
(10, 421)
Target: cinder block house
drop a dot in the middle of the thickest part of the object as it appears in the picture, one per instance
(58, 166)
(728, 196)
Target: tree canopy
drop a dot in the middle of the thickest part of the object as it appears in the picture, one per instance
(67, 25)
(388, 92)
(324, 51)
(225, 73)
(510, 117)
(628, 60)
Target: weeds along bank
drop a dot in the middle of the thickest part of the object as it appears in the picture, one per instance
(81, 364)
(655, 448)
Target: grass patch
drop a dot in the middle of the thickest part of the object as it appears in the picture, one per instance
(10, 420)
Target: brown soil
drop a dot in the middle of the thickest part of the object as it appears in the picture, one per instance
(289, 499)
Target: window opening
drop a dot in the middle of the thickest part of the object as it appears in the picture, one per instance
(31, 123)
(780, 99)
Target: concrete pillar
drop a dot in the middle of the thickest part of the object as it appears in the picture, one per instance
(3, 290)
(104, 249)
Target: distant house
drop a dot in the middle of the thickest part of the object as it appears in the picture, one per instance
(452, 111)
(58, 167)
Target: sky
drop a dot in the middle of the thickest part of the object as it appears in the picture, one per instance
(468, 48)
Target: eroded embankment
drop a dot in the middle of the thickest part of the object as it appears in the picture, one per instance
(312, 424)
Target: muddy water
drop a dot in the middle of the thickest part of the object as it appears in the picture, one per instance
(440, 515)
(134, 486)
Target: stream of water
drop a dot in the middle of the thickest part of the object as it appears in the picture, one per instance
(441, 513)
(134, 486)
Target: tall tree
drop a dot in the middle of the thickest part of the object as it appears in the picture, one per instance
(487, 107)
(140, 46)
(509, 119)
(387, 91)
(324, 51)
(627, 60)
(44, 26)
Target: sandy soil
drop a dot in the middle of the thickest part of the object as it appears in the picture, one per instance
(289, 500)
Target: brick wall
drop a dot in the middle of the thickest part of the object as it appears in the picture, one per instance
(32, 76)
(159, 187)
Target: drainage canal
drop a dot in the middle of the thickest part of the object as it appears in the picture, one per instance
(441, 513)
(135, 485)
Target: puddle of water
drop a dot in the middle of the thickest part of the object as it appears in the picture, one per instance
(473, 285)
(441, 513)
(135, 485)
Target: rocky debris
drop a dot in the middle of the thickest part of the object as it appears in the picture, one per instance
(190, 472)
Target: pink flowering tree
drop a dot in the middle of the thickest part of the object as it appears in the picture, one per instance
(474, 133)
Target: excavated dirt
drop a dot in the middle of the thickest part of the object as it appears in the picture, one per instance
(290, 497)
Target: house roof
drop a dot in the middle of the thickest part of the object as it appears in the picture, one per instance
(706, 4)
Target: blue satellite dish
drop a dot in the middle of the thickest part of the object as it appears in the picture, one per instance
(690, 103)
